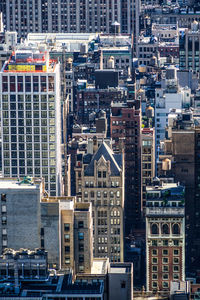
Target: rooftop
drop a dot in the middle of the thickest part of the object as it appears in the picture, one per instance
(106, 153)
(20, 184)
(29, 61)
(99, 266)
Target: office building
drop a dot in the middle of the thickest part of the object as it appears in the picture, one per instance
(100, 180)
(189, 41)
(75, 16)
(165, 235)
(125, 122)
(57, 224)
(20, 226)
(68, 225)
(31, 118)
(91, 99)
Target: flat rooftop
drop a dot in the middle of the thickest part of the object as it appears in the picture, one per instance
(21, 184)
(99, 266)
(164, 186)
(118, 270)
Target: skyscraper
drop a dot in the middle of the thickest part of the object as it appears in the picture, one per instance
(71, 16)
(31, 118)
(125, 131)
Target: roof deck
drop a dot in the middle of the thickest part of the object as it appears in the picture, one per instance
(29, 61)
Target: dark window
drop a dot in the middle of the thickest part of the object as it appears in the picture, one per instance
(154, 229)
(176, 229)
(67, 249)
(80, 224)
(123, 285)
(165, 229)
(42, 243)
(81, 258)
(66, 226)
(42, 231)
(81, 247)
(3, 197)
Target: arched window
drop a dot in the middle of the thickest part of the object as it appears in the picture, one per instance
(154, 229)
(176, 229)
(165, 229)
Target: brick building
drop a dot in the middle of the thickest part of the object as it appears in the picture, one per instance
(165, 235)
(125, 131)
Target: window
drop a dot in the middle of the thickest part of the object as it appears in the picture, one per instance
(165, 260)
(123, 285)
(4, 220)
(165, 229)
(176, 276)
(42, 243)
(154, 268)
(175, 229)
(67, 249)
(154, 260)
(176, 268)
(154, 284)
(165, 268)
(154, 229)
(81, 247)
(3, 208)
(154, 243)
(176, 252)
(165, 276)
(155, 276)
(104, 174)
(176, 260)
(67, 238)
(165, 243)
(67, 260)
(81, 268)
(176, 242)
(154, 252)
(3, 197)
(81, 258)
(66, 226)
(81, 236)
(165, 284)
(99, 174)
(80, 224)
(165, 252)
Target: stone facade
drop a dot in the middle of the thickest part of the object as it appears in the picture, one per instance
(102, 184)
